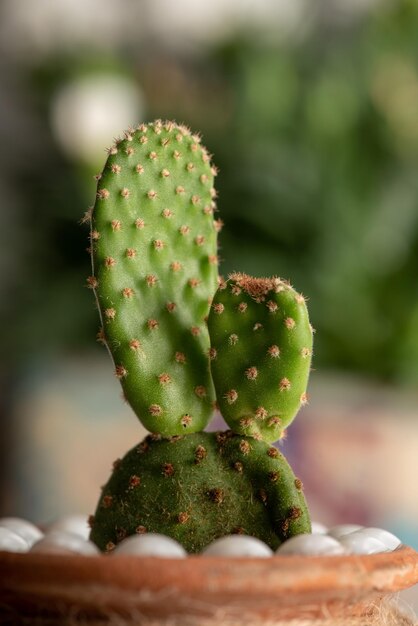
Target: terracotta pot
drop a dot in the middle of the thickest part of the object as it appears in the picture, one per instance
(201, 590)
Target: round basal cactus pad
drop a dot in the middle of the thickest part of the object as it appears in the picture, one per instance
(153, 242)
(261, 348)
(199, 487)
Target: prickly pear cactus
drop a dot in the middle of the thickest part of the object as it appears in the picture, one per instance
(261, 348)
(153, 242)
(199, 487)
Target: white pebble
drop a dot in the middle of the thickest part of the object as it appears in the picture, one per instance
(236, 546)
(60, 542)
(360, 543)
(312, 545)
(319, 529)
(11, 542)
(28, 531)
(343, 529)
(75, 524)
(389, 540)
(151, 544)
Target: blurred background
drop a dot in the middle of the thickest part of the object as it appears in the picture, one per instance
(311, 110)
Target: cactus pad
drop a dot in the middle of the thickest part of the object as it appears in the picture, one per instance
(153, 243)
(261, 347)
(199, 487)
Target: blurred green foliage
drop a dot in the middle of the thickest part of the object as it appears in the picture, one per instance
(317, 144)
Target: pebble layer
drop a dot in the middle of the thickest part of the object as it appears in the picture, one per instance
(61, 537)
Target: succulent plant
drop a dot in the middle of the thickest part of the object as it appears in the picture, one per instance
(199, 487)
(154, 258)
(261, 348)
(153, 246)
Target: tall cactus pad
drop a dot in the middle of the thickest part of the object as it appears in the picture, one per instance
(153, 241)
(200, 487)
(261, 347)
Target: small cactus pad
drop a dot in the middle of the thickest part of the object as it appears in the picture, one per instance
(261, 348)
(153, 243)
(199, 487)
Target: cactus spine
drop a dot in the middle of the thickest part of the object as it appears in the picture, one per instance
(261, 348)
(153, 242)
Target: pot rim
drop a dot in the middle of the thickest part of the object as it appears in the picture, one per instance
(392, 570)
(279, 585)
